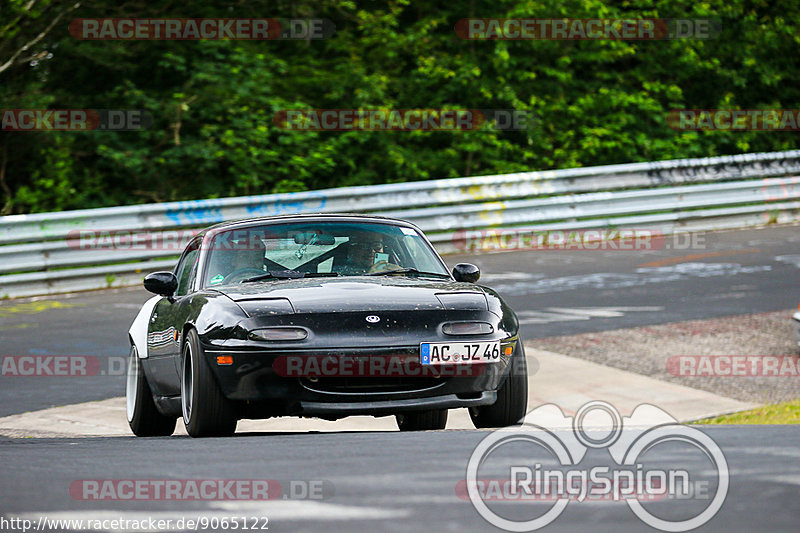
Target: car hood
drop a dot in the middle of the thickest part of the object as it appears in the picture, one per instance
(355, 294)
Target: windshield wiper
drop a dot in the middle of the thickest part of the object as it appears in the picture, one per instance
(409, 271)
(289, 274)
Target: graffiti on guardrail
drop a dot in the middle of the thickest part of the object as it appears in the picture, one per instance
(39, 256)
(287, 207)
(205, 212)
(719, 168)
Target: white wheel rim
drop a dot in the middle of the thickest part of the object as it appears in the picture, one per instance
(132, 384)
(187, 385)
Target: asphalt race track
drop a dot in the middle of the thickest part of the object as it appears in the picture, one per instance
(375, 481)
(387, 481)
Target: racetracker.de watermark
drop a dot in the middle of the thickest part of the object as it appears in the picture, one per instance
(199, 489)
(621, 29)
(176, 240)
(192, 29)
(102, 239)
(771, 366)
(23, 120)
(73, 366)
(628, 239)
(598, 484)
(403, 119)
(374, 366)
(734, 119)
(545, 464)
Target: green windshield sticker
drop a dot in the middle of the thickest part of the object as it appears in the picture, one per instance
(216, 279)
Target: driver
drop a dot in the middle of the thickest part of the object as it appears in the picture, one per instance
(361, 254)
(243, 258)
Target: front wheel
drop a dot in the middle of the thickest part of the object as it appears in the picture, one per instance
(512, 398)
(143, 416)
(206, 411)
(422, 420)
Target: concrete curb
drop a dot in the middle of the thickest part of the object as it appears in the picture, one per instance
(566, 381)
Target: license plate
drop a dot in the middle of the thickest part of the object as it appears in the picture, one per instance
(463, 353)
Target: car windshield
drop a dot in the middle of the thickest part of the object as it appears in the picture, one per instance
(313, 248)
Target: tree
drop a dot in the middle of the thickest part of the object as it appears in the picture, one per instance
(213, 103)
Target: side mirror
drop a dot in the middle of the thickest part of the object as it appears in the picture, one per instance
(161, 283)
(466, 272)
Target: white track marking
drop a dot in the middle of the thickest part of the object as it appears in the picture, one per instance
(790, 259)
(615, 281)
(564, 314)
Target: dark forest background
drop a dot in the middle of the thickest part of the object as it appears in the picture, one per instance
(213, 102)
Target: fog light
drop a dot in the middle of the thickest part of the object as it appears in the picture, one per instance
(278, 334)
(467, 328)
(224, 359)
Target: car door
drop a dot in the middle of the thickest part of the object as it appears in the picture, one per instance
(166, 325)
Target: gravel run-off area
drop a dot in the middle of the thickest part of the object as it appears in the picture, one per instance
(647, 350)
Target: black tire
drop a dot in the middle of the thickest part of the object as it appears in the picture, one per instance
(422, 420)
(206, 411)
(512, 398)
(143, 416)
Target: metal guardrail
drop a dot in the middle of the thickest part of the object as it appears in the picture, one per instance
(41, 253)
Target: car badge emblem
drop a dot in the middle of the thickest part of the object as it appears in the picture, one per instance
(372, 319)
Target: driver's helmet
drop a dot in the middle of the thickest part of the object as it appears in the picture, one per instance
(237, 255)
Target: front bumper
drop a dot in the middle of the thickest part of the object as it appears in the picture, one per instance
(390, 407)
(260, 390)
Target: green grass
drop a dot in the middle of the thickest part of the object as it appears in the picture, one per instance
(779, 413)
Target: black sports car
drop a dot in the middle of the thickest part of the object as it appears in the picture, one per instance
(325, 316)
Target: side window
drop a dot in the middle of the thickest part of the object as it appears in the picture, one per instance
(325, 266)
(186, 271)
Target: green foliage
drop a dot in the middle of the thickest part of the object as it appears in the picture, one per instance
(213, 103)
(778, 413)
